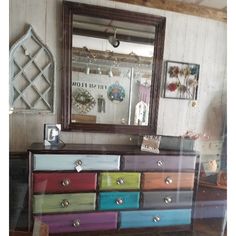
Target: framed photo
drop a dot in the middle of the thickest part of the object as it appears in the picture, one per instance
(181, 80)
(52, 134)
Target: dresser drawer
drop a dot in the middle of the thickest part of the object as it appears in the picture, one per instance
(119, 180)
(158, 162)
(52, 162)
(80, 222)
(118, 200)
(155, 218)
(211, 194)
(64, 202)
(167, 180)
(212, 210)
(167, 199)
(63, 182)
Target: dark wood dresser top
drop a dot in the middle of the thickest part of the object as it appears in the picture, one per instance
(101, 149)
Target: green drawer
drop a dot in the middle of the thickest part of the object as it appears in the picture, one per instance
(63, 202)
(119, 180)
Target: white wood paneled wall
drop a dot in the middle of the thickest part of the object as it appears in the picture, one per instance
(188, 39)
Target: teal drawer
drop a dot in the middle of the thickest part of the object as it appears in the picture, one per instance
(118, 200)
(155, 218)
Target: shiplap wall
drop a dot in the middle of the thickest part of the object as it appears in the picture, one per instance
(188, 39)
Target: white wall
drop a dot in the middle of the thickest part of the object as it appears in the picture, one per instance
(188, 38)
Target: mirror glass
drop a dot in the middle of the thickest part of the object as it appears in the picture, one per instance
(111, 70)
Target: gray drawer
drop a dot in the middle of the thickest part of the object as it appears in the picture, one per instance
(158, 162)
(167, 199)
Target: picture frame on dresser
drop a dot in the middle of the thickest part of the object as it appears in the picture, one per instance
(119, 189)
(52, 134)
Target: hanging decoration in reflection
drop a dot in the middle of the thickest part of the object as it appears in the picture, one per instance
(141, 113)
(110, 73)
(144, 93)
(142, 107)
(116, 92)
(101, 104)
(87, 70)
(82, 100)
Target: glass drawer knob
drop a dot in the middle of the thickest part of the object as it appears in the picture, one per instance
(65, 182)
(120, 181)
(167, 200)
(78, 163)
(76, 223)
(160, 163)
(119, 201)
(168, 180)
(156, 219)
(65, 203)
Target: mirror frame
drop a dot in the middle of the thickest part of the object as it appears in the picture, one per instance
(71, 8)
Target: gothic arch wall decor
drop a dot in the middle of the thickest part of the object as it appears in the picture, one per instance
(32, 69)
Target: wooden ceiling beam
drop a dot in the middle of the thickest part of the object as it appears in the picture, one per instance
(181, 7)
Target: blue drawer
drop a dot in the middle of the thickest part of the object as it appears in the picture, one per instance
(118, 200)
(155, 218)
(50, 162)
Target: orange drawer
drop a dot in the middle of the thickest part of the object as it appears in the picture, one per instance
(167, 180)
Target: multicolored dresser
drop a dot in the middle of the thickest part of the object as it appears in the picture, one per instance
(110, 188)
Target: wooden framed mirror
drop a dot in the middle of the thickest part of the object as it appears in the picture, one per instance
(112, 61)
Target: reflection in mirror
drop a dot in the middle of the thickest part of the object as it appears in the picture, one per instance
(112, 61)
(111, 71)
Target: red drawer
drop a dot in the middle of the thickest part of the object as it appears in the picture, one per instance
(63, 182)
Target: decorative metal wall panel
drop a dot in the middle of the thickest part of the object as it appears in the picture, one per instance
(32, 71)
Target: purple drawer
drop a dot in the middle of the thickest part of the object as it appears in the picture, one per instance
(158, 162)
(80, 222)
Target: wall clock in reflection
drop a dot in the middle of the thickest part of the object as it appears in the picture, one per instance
(82, 100)
(116, 92)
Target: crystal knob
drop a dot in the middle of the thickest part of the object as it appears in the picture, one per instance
(168, 180)
(167, 200)
(120, 181)
(76, 223)
(160, 163)
(156, 219)
(65, 182)
(119, 201)
(78, 163)
(65, 203)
